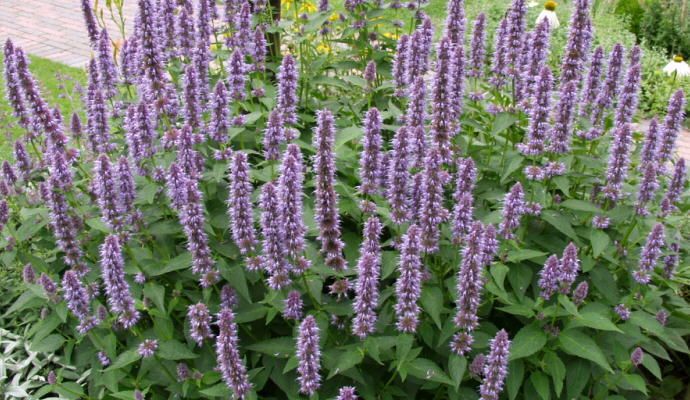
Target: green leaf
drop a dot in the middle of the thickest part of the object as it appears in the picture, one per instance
(156, 293)
(147, 193)
(182, 261)
(561, 223)
(281, 347)
(345, 135)
(514, 163)
(580, 205)
(346, 360)
(529, 340)
(432, 302)
(124, 359)
(70, 390)
(175, 350)
(569, 306)
(556, 369)
(598, 321)
(426, 369)
(600, 241)
(499, 272)
(502, 122)
(541, 383)
(579, 344)
(515, 377)
(633, 382)
(457, 366)
(98, 224)
(652, 366)
(29, 228)
(48, 344)
(218, 390)
(577, 377)
(524, 254)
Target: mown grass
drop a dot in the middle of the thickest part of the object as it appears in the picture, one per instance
(60, 86)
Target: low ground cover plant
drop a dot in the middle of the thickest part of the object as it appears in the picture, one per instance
(332, 205)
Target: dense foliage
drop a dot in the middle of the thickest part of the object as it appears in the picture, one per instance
(332, 204)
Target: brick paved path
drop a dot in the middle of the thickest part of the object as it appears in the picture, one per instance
(54, 29)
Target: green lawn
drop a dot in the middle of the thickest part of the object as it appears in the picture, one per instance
(59, 86)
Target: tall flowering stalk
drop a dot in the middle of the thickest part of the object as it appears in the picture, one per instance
(548, 277)
(455, 22)
(415, 118)
(237, 76)
(326, 199)
(308, 356)
(399, 177)
(287, 89)
(240, 204)
(230, 363)
(609, 91)
(495, 367)
(64, 225)
(443, 100)
(513, 209)
(140, 133)
(290, 187)
(127, 190)
(536, 58)
(650, 254)
(675, 187)
(539, 115)
(399, 68)
(193, 220)
(569, 268)
(619, 162)
(274, 257)
(13, 87)
(90, 22)
(499, 67)
(478, 49)
(370, 159)
(219, 123)
(580, 38)
(408, 287)
(432, 212)
(150, 52)
(516, 28)
(627, 103)
(674, 118)
(368, 273)
(107, 73)
(274, 135)
(199, 323)
(106, 190)
(192, 97)
(78, 300)
(462, 210)
(593, 81)
(561, 132)
(116, 287)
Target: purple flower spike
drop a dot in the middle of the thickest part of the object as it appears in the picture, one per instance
(580, 293)
(627, 103)
(260, 48)
(290, 186)
(609, 91)
(565, 112)
(455, 22)
(417, 58)
(499, 68)
(199, 323)
(23, 160)
(64, 225)
(409, 285)
(593, 82)
(308, 356)
(274, 255)
(444, 97)
(13, 85)
(347, 393)
(513, 209)
(648, 187)
(432, 213)
(637, 356)
(619, 162)
(274, 135)
(674, 118)
(496, 367)
(186, 29)
(77, 299)
(579, 41)
(116, 287)
(127, 191)
(28, 273)
(415, 120)
(539, 115)
(293, 306)
(287, 89)
(650, 254)
(326, 199)
(219, 124)
(103, 359)
(48, 286)
(240, 204)
(90, 22)
(400, 64)
(150, 51)
(662, 317)
(462, 211)
(192, 97)
(470, 280)
(237, 76)
(97, 124)
(107, 73)
(478, 51)
(229, 359)
(148, 348)
(536, 53)
(516, 28)
(370, 159)
(569, 268)
(548, 277)
(370, 73)
(399, 177)
(368, 274)
(676, 186)
(622, 311)
(193, 220)
(650, 147)
(107, 192)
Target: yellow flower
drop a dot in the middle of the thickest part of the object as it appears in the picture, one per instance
(550, 5)
(323, 48)
(391, 35)
(287, 3)
(307, 7)
(334, 17)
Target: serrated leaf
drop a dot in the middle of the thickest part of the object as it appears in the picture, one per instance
(426, 369)
(596, 321)
(529, 340)
(600, 241)
(346, 360)
(569, 306)
(502, 122)
(347, 134)
(432, 303)
(556, 369)
(182, 261)
(561, 223)
(580, 205)
(652, 366)
(579, 344)
(48, 344)
(515, 377)
(541, 384)
(633, 382)
(175, 350)
(124, 359)
(281, 347)
(524, 254)
(457, 366)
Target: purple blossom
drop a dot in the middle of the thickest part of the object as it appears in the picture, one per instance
(117, 290)
(370, 158)
(107, 73)
(237, 76)
(662, 317)
(13, 86)
(287, 89)
(499, 67)
(650, 254)
(462, 211)
(166, 10)
(368, 275)
(8, 173)
(192, 97)
(399, 68)
(293, 306)
(539, 115)
(182, 371)
(308, 356)
(240, 204)
(129, 60)
(219, 124)
(455, 22)
(51, 378)
(580, 293)
(516, 28)
(150, 52)
(622, 311)
(398, 182)
(103, 358)
(48, 286)
(619, 162)
(676, 185)
(569, 268)
(140, 133)
(408, 287)
(580, 37)
(77, 299)
(230, 363)
(650, 147)
(148, 348)
(496, 367)
(193, 220)
(534, 173)
(274, 135)
(127, 191)
(228, 297)
(470, 280)
(601, 222)
(370, 73)
(241, 38)
(536, 55)
(259, 48)
(414, 119)
(290, 186)
(199, 323)
(627, 102)
(175, 185)
(548, 277)
(105, 187)
(648, 187)
(140, 278)
(674, 118)
(477, 365)
(273, 228)
(347, 393)
(609, 91)
(637, 356)
(326, 199)
(513, 209)
(565, 112)
(28, 273)
(593, 81)
(432, 212)
(671, 260)
(185, 32)
(417, 58)
(444, 97)
(90, 22)
(478, 49)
